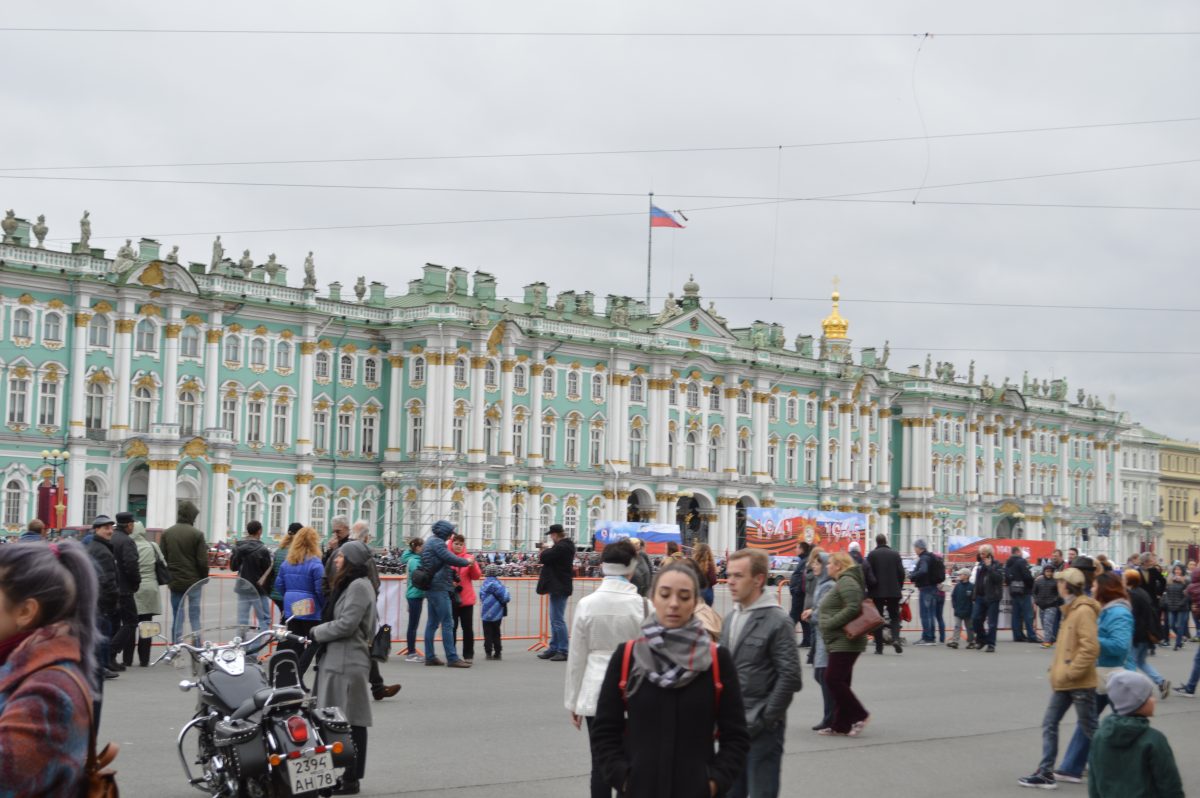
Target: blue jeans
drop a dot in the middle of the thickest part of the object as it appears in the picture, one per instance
(1022, 618)
(558, 624)
(177, 619)
(262, 611)
(1075, 760)
(1139, 653)
(1049, 624)
(1084, 702)
(1179, 625)
(760, 779)
(928, 605)
(414, 620)
(440, 617)
(939, 614)
(988, 611)
(1195, 677)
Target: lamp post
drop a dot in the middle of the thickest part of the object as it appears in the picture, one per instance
(519, 489)
(1147, 526)
(942, 514)
(56, 459)
(391, 481)
(1104, 529)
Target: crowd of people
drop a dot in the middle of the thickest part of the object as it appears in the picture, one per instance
(676, 699)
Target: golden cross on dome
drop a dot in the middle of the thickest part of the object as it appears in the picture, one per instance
(836, 282)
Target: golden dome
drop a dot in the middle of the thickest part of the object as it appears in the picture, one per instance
(834, 325)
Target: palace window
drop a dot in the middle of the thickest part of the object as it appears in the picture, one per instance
(142, 404)
(345, 432)
(571, 522)
(258, 353)
(277, 513)
(283, 355)
(22, 323)
(371, 370)
(416, 434)
(597, 387)
(459, 434)
(252, 508)
(547, 516)
(693, 396)
(714, 450)
(147, 336)
(595, 448)
(188, 407)
(229, 413)
(743, 456)
(518, 439)
(548, 441)
(772, 458)
(743, 403)
(91, 499)
(52, 328)
(233, 349)
(255, 409)
(189, 342)
(321, 429)
(14, 503)
(279, 423)
(519, 377)
(316, 514)
(321, 366)
(98, 331)
(810, 465)
(489, 522)
(791, 461)
(637, 389)
(773, 409)
(689, 459)
(369, 423)
(673, 394)
(48, 404)
(548, 381)
(793, 410)
(346, 368)
(460, 370)
(714, 399)
(490, 376)
(94, 413)
(572, 384)
(572, 444)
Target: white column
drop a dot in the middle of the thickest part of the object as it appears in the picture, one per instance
(212, 371)
(504, 519)
(1009, 481)
(926, 453)
(845, 478)
(1026, 462)
(702, 442)
(612, 431)
(989, 461)
(758, 440)
(823, 442)
(302, 503)
(77, 427)
(304, 408)
(124, 351)
(622, 420)
(475, 450)
(906, 444)
(506, 419)
(433, 400)
(864, 448)
(730, 441)
(76, 468)
(536, 455)
(1064, 470)
(1100, 458)
(725, 528)
(971, 457)
(474, 521)
(447, 419)
(170, 395)
(882, 466)
(1116, 497)
(214, 525)
(655, 404)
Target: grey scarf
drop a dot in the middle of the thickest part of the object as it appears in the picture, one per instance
(669, 658)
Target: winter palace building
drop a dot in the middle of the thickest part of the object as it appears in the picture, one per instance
(220, 383)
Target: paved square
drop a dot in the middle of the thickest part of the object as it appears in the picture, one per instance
(944, 723)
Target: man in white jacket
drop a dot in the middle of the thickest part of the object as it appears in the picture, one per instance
(603, 621)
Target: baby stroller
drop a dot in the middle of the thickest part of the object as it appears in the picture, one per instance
(905, 617)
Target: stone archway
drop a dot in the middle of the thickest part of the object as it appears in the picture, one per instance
(743, 503)
(694, 513)
(137, 490)
(640, 506)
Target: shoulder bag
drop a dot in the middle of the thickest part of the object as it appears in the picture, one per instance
(868, 621)
(162, 574)
(99, 780)
(381, 644)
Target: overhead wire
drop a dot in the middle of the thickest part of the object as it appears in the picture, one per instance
(579, 34)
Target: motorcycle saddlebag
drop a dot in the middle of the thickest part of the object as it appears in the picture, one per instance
(335, 728)
(242, 742)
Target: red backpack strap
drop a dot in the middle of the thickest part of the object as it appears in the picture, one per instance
(718, 686)
(625, 655)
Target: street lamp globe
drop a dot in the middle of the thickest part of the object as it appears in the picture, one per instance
(65, 455)
(45, 454)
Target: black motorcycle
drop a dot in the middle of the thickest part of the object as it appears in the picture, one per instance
(256, 732)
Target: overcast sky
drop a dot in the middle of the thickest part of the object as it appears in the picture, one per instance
(76, 99)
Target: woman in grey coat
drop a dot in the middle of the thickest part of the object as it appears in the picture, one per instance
(344, 661)
(819, 578)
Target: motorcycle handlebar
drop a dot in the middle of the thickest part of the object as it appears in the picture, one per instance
(279, 633)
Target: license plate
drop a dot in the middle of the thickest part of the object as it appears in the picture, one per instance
(314, 772)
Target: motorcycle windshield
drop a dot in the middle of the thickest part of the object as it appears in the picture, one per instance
(218, 609)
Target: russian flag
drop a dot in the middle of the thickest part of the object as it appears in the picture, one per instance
(660, 218)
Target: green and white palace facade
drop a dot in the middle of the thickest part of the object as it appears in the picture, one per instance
(220, 383)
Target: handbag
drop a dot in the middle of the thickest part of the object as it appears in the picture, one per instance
(868, 621)
(381, 644)
(99, 780)
(162, 574)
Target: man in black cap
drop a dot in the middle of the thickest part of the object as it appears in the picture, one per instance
(129, 578)
(556, 580)
(100, 549)
(1088, 566)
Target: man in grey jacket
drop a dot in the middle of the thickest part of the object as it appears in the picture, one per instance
(760, 636)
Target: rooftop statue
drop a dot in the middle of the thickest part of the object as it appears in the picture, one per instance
(218, 255)
(85, 229)
(126, 257)
(451, 285)
(887, 352)
(310, 272)
(9, 225)
(39, 231)
(272, 266)
(360, 288)
(173, 256)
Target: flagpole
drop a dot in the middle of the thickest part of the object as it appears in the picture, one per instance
(649, 247)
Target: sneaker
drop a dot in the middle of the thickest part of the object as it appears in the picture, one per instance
(829, 733)
(432, 661)
(459, 663)
(970, 646)
(899, 648)
(1040, 781)
(952, 644)
(1186, 693)
(414, 657)
(1164, 689)
(559, 657)
(1067, 778)
(991, 649)
(496, 657)
(924, 643)
(547, 654)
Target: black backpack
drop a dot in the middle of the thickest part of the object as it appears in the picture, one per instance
(937, 570)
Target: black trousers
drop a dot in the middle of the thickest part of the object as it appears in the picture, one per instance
(303, 653)
(125, 633)
(359, 735)
(465, 615)
(143, 644)
(598, 788)
(491, 637)
(890, 609)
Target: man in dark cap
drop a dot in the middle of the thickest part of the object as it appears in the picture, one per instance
(556, 580)
(100, 549)
(129, 578)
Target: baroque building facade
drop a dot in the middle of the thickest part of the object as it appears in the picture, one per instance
(1179, 499)
(220, 383)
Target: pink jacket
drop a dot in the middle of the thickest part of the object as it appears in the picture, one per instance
(466, 576)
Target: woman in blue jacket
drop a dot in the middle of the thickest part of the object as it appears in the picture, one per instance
(1115, 630)
(299, 582)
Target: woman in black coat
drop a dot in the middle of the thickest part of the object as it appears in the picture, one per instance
(664, 733)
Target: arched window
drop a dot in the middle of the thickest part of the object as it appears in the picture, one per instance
(233, 349)
(714, 399)
(142, 405)
(714, 450)
(52, 328)
(572, 444)
(255, 410)
(489, 436)
(147, 336)
(689, 460)
(459, 434)
(572, 384)
(280, 424)
(188, 407)
(519, 383)
(548, 438)
(48, 404)
(743, 403)
(91, 500)
(371, 370)
(258, 353)
(98, 330)
(516, 527)
(14, 503)
(571, 522)
(810, 465)
(518, 439)
(743, 456)
(672, 393)
(94, 414)
(547, 516)
(693, 396)
(636, 439)
(548, 381)
(18, 400)
(490, 375)
(22, 323)
(317, 511)
(346, 368)
(283, 355)
(321, 366)
(418, 370)
(277, 525)
(189, 342)
(637, 389)
(773, 408)
(773, 458)
(831, 466)
(252, 508)
(345, 507)
(416, 434)
(793, 410)
(597, 387)
(489, 522)
(366, 512)
(596, 446)
(460, 370)
(790, 473)
(810, 412)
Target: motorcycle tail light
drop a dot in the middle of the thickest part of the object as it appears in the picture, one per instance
(337, 747)
(297, 729)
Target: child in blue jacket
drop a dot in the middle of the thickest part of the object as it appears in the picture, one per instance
(494, 598)
(962, 600)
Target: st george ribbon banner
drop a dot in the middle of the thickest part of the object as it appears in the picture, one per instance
(779, 530)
